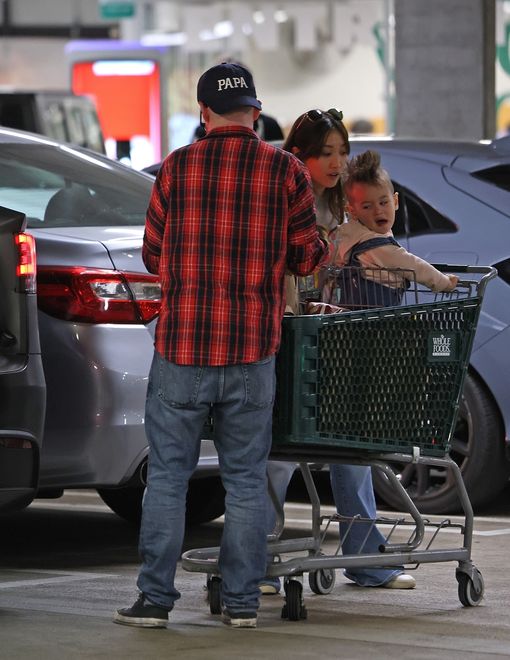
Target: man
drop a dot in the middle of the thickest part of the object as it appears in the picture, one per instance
(265, 126)
(227, 216)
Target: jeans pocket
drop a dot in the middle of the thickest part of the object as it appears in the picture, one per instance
(179, 384)
(260, 383)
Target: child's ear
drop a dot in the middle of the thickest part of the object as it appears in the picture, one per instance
(395, 200)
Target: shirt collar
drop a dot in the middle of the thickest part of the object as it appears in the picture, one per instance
(231, 131)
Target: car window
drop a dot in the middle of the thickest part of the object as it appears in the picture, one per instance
(499, 176)
(92, 129)
(66, 187)
(414, 216)
(54, 121)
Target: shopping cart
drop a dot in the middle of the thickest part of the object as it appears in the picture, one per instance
(374, 387)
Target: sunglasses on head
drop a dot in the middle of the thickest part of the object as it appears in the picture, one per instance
(314, 115)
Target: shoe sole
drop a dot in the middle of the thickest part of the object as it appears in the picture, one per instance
(395, 584)
(139, 622)
(240, 623)
(268, 590)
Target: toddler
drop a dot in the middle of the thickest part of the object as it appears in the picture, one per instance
(366, 240)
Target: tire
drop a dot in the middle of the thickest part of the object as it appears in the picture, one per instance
(478, 449)
(125, 502)
(322, 581)
(205, 501)
(293, 610)
(214, 594)
(468, 595)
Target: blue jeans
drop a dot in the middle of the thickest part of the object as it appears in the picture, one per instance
(353, 494)
(179, 400)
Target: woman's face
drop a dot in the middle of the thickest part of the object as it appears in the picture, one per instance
(326, 168)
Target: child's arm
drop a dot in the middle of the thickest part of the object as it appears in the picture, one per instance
(391, 256)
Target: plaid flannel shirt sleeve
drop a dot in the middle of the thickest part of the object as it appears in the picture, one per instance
(306, 249)
(155, 222)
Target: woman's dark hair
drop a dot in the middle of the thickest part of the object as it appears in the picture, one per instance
(308, 134)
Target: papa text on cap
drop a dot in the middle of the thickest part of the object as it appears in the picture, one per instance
(227, 86)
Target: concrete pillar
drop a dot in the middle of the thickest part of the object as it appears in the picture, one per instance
(445, 68)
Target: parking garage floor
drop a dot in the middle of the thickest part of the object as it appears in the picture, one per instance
(66, 567)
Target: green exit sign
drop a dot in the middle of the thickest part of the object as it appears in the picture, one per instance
(112, 9)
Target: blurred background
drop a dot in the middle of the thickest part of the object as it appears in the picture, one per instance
(403, 67)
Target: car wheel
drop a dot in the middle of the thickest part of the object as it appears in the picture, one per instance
(205, 502)
(478, 449)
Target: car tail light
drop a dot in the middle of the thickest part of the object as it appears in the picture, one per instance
(26, 267)
(97, 296)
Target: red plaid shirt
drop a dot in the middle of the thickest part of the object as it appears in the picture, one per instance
(228, 214)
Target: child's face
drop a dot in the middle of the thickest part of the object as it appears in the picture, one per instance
(326, 169)
(373, 205)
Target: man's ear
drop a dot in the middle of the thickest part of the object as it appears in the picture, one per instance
(395, 200)
(204, 111)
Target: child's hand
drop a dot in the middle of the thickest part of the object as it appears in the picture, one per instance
(453, 282)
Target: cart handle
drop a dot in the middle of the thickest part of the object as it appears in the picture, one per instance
(488, 273)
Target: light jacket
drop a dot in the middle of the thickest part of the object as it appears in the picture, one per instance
(388, 256)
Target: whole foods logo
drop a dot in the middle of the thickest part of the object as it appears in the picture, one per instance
(442, 346)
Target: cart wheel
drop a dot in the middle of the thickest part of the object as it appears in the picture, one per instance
(468, 595)
(322, 581)
(293, 610)
(214, 594)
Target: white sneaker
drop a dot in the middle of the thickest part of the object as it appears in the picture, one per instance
(268, 589)
(402, 581)
(239, 619)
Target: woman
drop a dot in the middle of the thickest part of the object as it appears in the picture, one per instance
(321, 141)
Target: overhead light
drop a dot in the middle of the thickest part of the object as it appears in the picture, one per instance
(281, 16)
(221, 30)
(163, 39)
(206, 35)
(123, 67)
(258, 17)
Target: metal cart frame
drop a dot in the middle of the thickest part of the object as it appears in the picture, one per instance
(315, 442)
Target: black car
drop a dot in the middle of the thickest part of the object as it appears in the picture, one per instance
(22, 384)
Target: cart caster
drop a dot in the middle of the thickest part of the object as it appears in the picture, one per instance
(214, 594)
(293, 610)
(322, 581)
(470, 591)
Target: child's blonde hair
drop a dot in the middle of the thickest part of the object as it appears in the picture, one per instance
(366, 168)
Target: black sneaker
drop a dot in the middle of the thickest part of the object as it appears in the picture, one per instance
(239, 619)
(142, 614)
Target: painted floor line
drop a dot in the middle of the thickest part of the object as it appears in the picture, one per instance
(64, 506)
(62, 579)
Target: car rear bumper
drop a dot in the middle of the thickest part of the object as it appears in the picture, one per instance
(97, 379)
(23, 397)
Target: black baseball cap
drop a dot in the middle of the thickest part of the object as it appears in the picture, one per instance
(227, 86)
